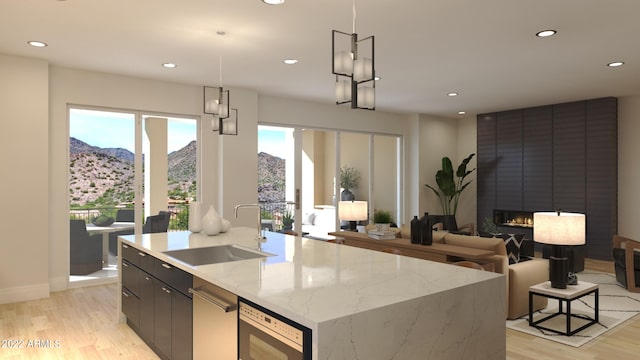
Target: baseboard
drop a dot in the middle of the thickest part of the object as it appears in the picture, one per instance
(92, 282)
(59, 283)
(24, 293)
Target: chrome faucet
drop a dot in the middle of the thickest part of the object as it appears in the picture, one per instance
(260, 236)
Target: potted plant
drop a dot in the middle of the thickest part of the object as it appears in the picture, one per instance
(349, 178)
(451, 185)
(382, 219)
(287, 220)
(489, 228)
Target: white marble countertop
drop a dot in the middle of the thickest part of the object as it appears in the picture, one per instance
(311, 281)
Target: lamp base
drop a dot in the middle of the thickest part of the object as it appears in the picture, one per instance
(558, 267)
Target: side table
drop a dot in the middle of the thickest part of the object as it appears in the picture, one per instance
(566, 296)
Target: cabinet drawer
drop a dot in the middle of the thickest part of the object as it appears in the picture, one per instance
(145, 261)
(131, 308)
(130, 277)
(174, 277)
(129, 253)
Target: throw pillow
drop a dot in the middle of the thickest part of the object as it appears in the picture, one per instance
(308, 218)
(513, 242)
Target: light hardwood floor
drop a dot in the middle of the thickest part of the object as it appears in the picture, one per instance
(620, 343)
(84, 321)
(80, 323)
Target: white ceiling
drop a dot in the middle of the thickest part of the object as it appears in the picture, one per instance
(484, 49)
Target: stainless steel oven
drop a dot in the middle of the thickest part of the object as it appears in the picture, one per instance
(263, 334)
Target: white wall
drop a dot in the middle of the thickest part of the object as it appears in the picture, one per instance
(438, 138)
(24, 144)
(628, 166)
(467, 145)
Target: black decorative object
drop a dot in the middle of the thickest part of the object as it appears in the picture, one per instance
(426, 234)
(416, 237)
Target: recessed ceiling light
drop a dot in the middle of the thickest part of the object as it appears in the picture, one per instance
(615, 64)
(290, 61)
(273, 2)
(37, 44)
(376, 78)
(462, 112)
(452, 94)
(546, 33)
(170, 65)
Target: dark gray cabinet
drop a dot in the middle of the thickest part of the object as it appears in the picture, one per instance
(553, 157)
(157, 304)
(146, 306)
(173, 317)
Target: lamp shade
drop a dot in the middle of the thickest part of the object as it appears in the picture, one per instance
(366, 97)
(559, 228)
(363, 69)
(343, 63)
(352, 210)
(343, 91)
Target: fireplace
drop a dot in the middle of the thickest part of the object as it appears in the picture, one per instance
(513, 218)
(516, 222)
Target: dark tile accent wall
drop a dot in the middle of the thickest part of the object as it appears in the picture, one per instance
(561, 156)
(537, 144)
(509, 160)
(486, 167)
(601, 174)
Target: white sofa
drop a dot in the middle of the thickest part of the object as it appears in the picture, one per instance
(319, 221)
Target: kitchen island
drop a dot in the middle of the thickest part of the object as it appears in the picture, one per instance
(359, 304)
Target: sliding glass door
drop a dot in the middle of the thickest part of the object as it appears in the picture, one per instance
(123, 167)
(299, 168)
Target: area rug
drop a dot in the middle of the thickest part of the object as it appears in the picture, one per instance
(616, 306)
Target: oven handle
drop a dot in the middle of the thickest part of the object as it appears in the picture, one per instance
(208, 297)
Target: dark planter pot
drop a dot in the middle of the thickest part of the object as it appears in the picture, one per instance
(347, 195)
(449, 222)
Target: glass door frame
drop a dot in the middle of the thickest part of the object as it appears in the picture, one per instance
(298, 178)
(138, 116)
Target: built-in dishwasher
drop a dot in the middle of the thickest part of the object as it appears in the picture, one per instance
(215, 322)
(263, 334)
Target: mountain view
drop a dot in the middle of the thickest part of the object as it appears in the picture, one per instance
(271, 178)
(104, 176)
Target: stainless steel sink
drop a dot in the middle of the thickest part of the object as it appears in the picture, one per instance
(214, 254)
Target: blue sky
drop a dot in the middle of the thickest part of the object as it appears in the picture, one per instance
(111, 129)
(271, 140)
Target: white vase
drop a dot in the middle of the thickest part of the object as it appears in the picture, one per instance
(225, 225)
(195, 216)
(211, 222)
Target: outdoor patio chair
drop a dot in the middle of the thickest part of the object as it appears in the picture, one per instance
(85, 251)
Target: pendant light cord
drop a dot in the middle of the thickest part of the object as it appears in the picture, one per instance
(354, 17)
(220, 71)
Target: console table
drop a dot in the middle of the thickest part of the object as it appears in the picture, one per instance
(435, 252)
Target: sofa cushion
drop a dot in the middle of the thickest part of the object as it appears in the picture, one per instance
(512, 243)
(493, 244)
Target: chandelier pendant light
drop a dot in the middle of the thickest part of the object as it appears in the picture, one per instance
(216, 102)
(353, 64)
